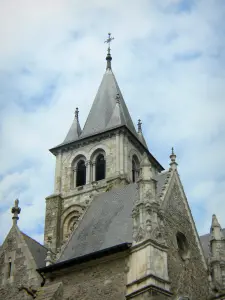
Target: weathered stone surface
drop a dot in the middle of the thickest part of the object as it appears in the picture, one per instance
(118, 150)
(23, 267)
(189, 277)
(51, 292)
(52, 222)
(101, 280)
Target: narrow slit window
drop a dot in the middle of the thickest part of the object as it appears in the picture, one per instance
(135, 168)
(9, 268)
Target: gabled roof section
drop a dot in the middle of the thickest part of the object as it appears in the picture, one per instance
(75, 129)
(180, 203)
(109, 109)
(107, 222)
(38, 251)
(142, 139)
(29, 246)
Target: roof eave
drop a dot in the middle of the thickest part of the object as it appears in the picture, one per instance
(85, 258)
(151, 157)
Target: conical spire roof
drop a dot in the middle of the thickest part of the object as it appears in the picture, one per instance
(75, 129)
(109, 109)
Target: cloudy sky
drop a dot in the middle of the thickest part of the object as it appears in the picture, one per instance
(168, 58)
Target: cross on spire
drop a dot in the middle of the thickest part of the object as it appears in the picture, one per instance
(15, 211)
(109, 57)
(109, 39)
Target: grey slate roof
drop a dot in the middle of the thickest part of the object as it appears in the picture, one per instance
(37, 250)
(142, 139)
(107, 222)
(105, 113)
(161, 177)
(74, 132)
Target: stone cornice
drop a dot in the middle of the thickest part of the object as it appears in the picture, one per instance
(146, 277)
(147, 288)
(147, 242)
(104, 135)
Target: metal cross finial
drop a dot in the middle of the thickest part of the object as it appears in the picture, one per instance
(109, 57)
(16, 211)
(109, 39)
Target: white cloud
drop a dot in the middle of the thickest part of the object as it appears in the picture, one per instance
(52, 60)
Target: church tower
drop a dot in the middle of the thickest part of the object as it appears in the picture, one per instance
(106, 153)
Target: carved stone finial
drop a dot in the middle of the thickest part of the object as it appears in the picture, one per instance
(118, 98)
(77, 113)
(173, 162)
(15, 211)
(49, 260)
(216, 230)
(139, 126)
(215, 222)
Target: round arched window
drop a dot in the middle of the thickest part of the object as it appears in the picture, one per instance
(100, 167)
(183, 247)
(81, 173)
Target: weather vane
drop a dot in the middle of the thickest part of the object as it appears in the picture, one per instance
(109, 39)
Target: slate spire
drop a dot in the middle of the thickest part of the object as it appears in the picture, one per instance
(108, 109)
(75, 129)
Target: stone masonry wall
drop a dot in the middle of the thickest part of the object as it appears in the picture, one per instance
(52, 221)
(21, 270)
(98, 281)
(108, 145)
(60, 209)
(188, 278)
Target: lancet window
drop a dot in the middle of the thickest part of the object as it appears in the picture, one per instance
(183, 247)
(135, 168)
(9, 271)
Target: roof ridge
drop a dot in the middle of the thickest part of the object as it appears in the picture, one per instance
(166, 183)
(33, 240)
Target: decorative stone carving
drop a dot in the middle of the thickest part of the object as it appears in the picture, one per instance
(187, 277)
(175, 198)
(140, 234)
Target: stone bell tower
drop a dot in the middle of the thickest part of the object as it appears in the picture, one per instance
(107, 152)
